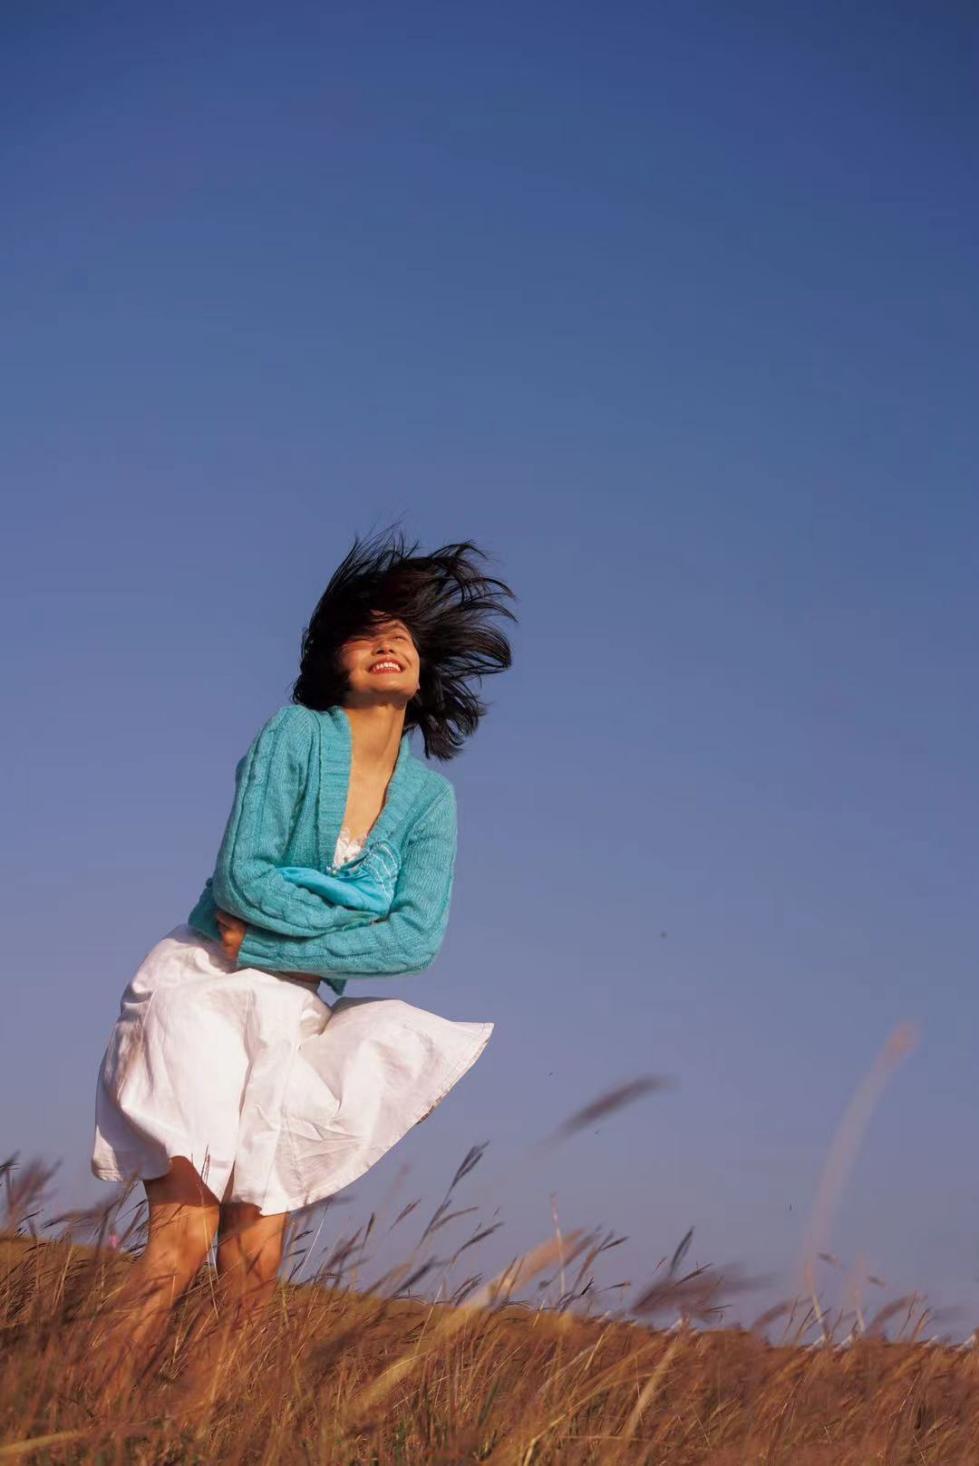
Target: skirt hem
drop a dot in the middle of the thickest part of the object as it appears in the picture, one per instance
(369, 1158)
(272, 1202)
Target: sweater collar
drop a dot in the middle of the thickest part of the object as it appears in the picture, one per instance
(336, 751)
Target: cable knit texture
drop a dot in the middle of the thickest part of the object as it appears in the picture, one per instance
(290, 797)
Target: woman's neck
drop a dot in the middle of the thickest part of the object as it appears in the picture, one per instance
(376, 732)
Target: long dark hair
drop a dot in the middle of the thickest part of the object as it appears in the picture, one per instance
(447, 603)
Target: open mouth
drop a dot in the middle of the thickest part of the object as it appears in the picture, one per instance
(387, 665)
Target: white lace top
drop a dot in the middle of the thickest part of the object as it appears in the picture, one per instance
(346, 847)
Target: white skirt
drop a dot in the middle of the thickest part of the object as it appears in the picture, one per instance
(275, 1097)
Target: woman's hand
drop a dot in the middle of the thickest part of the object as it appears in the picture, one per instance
(232, 933)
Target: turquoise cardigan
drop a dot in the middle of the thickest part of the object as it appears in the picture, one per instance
(290, 797)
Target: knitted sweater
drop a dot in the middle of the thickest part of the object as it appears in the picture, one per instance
(290, 797)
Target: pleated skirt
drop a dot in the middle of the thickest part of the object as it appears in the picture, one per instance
(276, 1097)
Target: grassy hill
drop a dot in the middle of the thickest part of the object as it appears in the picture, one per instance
(335, 1376)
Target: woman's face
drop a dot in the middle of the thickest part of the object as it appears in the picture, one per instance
(381, 665)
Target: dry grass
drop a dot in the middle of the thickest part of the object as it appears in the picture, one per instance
(336, 1375)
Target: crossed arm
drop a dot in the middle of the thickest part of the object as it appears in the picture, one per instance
(289, 928)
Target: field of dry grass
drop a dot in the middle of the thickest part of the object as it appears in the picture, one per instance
(336, 1375)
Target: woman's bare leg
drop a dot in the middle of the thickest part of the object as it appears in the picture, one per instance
(183, 1221)
(249, 1255)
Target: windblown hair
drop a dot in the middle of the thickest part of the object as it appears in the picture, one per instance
(446, 602)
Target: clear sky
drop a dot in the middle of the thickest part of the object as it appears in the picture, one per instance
(673, 308)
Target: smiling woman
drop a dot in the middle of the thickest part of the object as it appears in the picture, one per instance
(228, 1085)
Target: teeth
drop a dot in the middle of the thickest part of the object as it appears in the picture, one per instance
(385, 666)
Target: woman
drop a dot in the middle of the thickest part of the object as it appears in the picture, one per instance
(228, 1085)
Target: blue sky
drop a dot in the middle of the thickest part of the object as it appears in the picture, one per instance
(672, 308)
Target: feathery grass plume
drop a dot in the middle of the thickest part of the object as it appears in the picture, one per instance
(699, 1294)
(25, 1187)
(611, 1101)
(846, 1145)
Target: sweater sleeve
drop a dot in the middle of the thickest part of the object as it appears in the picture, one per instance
(268, 786)
(406, 940)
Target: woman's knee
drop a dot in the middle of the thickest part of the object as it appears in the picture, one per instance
(250, 1242)
(178, 1245)
(183, 1219)
(168, 1270)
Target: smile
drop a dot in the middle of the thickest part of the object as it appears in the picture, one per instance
(386, 667)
